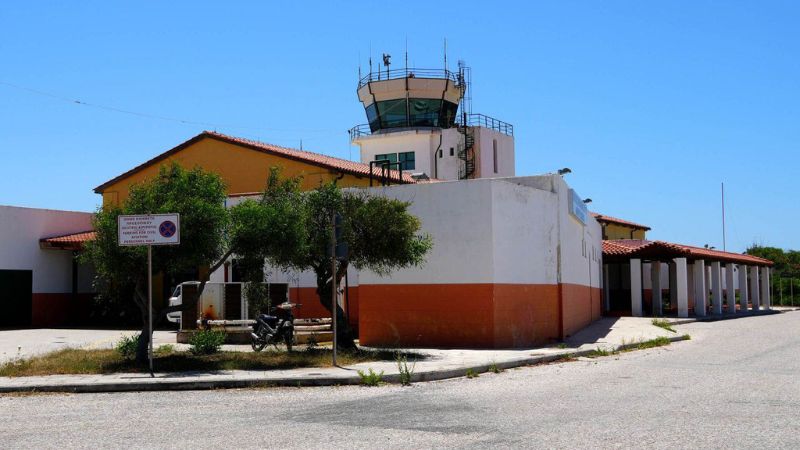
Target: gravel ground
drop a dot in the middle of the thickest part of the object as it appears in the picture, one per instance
(734, 385)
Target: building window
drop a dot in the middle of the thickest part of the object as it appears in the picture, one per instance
(391, 157)
(494, 153)
(452, 150)
(407, 161)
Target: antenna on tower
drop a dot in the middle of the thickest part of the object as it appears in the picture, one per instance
(359, 65)
(445, 54)
(406, 54)
(387, 61)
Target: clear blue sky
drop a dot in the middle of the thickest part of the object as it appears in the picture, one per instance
(651, 105)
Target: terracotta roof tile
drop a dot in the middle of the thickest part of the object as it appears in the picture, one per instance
(74, 241)
(318, 159)
(639, 247)
(609, 219)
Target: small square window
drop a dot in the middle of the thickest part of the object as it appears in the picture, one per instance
(452, 151)
(407, 160)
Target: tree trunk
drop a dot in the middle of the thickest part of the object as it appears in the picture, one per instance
(140, 298)
(344, 334)
(144, 337)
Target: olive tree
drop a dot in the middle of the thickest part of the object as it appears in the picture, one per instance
(380, 233)
(199, 197)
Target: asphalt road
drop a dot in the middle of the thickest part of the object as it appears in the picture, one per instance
(734, 385)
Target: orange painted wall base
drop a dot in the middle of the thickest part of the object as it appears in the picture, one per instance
(312, 308)
(473, 315)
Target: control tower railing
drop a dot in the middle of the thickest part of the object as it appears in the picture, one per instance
(393, 74)
(473, 120)
(481, 120)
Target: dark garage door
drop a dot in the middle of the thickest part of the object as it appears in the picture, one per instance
(16, 298)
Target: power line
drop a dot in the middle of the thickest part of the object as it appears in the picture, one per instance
(154, 116)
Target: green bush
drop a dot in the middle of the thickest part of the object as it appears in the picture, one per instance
(126, 347)
(206, 342)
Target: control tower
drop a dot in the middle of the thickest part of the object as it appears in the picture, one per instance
(420, 121)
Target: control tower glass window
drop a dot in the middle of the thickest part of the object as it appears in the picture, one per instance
(414, 112)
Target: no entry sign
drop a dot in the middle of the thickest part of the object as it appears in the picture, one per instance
(149, 229)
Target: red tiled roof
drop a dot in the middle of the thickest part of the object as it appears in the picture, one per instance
(317, 159)
(633, 248)
(626, 223)
(73, 241)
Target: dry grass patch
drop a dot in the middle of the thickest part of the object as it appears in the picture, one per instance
(75, 361)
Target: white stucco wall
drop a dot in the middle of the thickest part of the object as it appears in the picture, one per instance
(20, 232)
(498, 231)
(484, 138)
(503, 230)
(425, 142)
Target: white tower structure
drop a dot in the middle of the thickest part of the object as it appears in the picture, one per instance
(420, 121)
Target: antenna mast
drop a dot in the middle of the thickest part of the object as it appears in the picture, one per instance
(445, 54)
(724, 248)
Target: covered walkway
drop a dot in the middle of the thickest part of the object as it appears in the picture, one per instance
(657, 278)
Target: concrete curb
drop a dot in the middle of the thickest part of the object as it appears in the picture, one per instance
(156, 384)
(738, 315)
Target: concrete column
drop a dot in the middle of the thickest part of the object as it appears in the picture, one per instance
(681, 287)
(730, 287)
(716, 288)
(700, 290)
(636, 287)
(673, 290)
(754, 289)
(765, 299)
(655, 283)
(744, 296)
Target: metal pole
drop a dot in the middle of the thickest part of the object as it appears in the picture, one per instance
(334, 305)
(150, 304)
(724, 248)
(791, 290)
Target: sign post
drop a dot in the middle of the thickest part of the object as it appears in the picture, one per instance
(149, 230)
(334, 294)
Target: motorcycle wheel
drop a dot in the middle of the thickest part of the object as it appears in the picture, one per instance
(258, 345)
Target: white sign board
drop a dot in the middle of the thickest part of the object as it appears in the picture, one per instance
(149, 229)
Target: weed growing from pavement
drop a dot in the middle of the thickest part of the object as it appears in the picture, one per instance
(371, 378)
(562, 345)
(686, 337)
(471, 373)
(494, 369)
(660, 341)
(599, 352)
(406, 373)
(665, 324)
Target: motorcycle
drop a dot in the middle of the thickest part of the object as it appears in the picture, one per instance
(271, 329)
